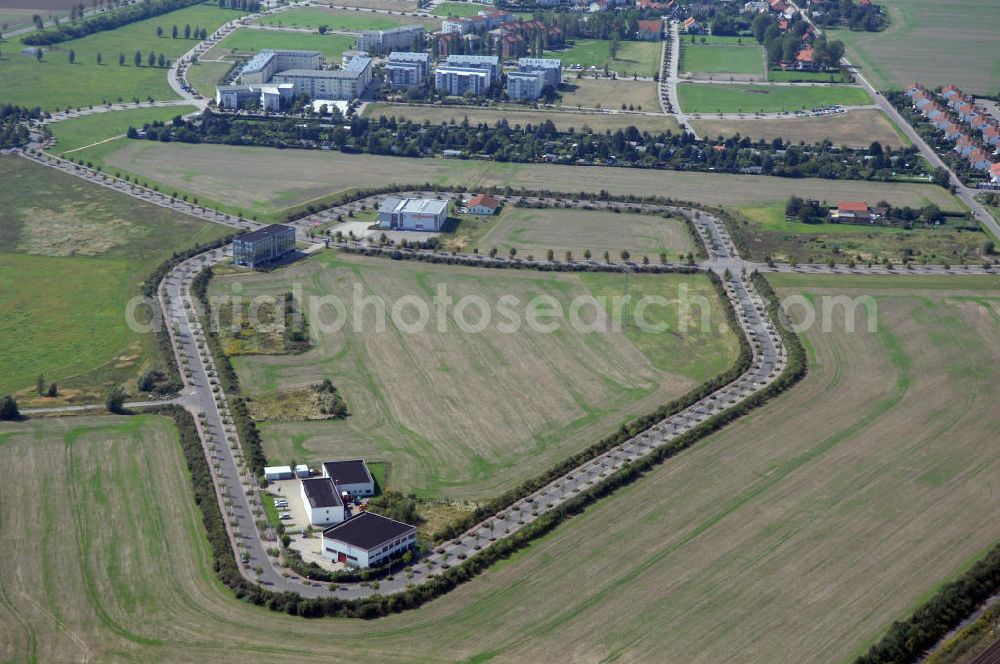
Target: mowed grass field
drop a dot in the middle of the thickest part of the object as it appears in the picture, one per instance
(736, 98)
(71, 255)
(468, 414)
(340, 19)
(856, 128)
(563, 120)
(204, 76)
(933, 43)
(535, 231)
(265, 182)
(246, 41)
(609, 93)
(458, 9)
(766, 232)
(730, 58)
(76, 133)
(633, 57)
(55, 83)
(390, 5)
(778, 539)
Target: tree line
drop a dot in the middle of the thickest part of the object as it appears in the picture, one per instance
(107, 21)
(783, 45)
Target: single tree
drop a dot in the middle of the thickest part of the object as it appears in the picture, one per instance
(513, 252)
(161, 61)
(587, 254)
(38, 53)
(187, 31)
(173, 32)
(137, 59)
(72, 56)
(8, 408)
(151, 60)
(40, 384)
(115, 399)
(53, 390)
(159, 31)
(100, 59)
(121, 59)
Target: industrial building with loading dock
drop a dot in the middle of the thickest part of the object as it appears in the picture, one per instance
(367, 540)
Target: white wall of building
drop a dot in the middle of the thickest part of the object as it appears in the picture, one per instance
(320, 516)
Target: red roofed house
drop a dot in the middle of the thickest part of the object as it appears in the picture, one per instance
(804, 59)
(995, 173)
(991, 135)
(952, 132)
(650, 30)
(853, 211)
(483, 204)
(690, 24)
(980, 160)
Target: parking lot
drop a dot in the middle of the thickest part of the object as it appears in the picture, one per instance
(295, 520)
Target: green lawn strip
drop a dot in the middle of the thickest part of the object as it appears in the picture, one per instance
(253, 41)
(204, 76)
(55, 83)
(76, 133)
(727, 98)
(805, 76)
(314, 17)
(270, 511)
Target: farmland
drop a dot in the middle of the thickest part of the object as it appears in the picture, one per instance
(609, 93)
(735, 98)
(727, 58)
(340, 20)
(470, 414)
(564, 120)
(77, 133)
(265, 182)
(534, 231)
(72, 255)
(856, 128)
(755, 516)
(55, 83)
(633, 57)
(246, 41)
(766, 232)
(931, 42)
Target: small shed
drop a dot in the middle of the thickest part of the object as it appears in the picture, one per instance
(301, 470)
(272, 473)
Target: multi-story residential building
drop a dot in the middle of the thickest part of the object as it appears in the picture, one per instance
(394, 39)
(261, 67)
(347, 83)
(453, 80)
(551, 67)
(407, 69)
(490, 63)
(525, 85)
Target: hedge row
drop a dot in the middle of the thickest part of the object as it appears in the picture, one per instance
(380, 605)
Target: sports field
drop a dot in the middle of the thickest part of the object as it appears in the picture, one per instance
(469, 414)
(246, 40)
(76, 133)
(778, 539)
(747, 58)
(767, 232)
(71, 255)
(341, 20)
(633, 57)
(564, 120)
(55, 83)
(265, 181)
(857, 128)
(609, 93)
(935, 43)
(458, 9)
(535, 232)
(736, 98)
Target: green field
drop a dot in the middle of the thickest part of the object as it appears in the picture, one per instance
(633, 57)
(245, 41)
(71, 255)
(533, 231)
(337, 19)
(459, 9)
(934, 43)
(470, 414)
(76, 133)
(265, 182)
(779, 534)
(728, 59)
(736, 98)
(204, 76)
(564, 120)
(768, 233)
(55, 83)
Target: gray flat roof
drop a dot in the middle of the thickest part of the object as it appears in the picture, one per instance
(367, 530)
(320, 73)
(321, 492)
(351, 471)
(267, 231)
